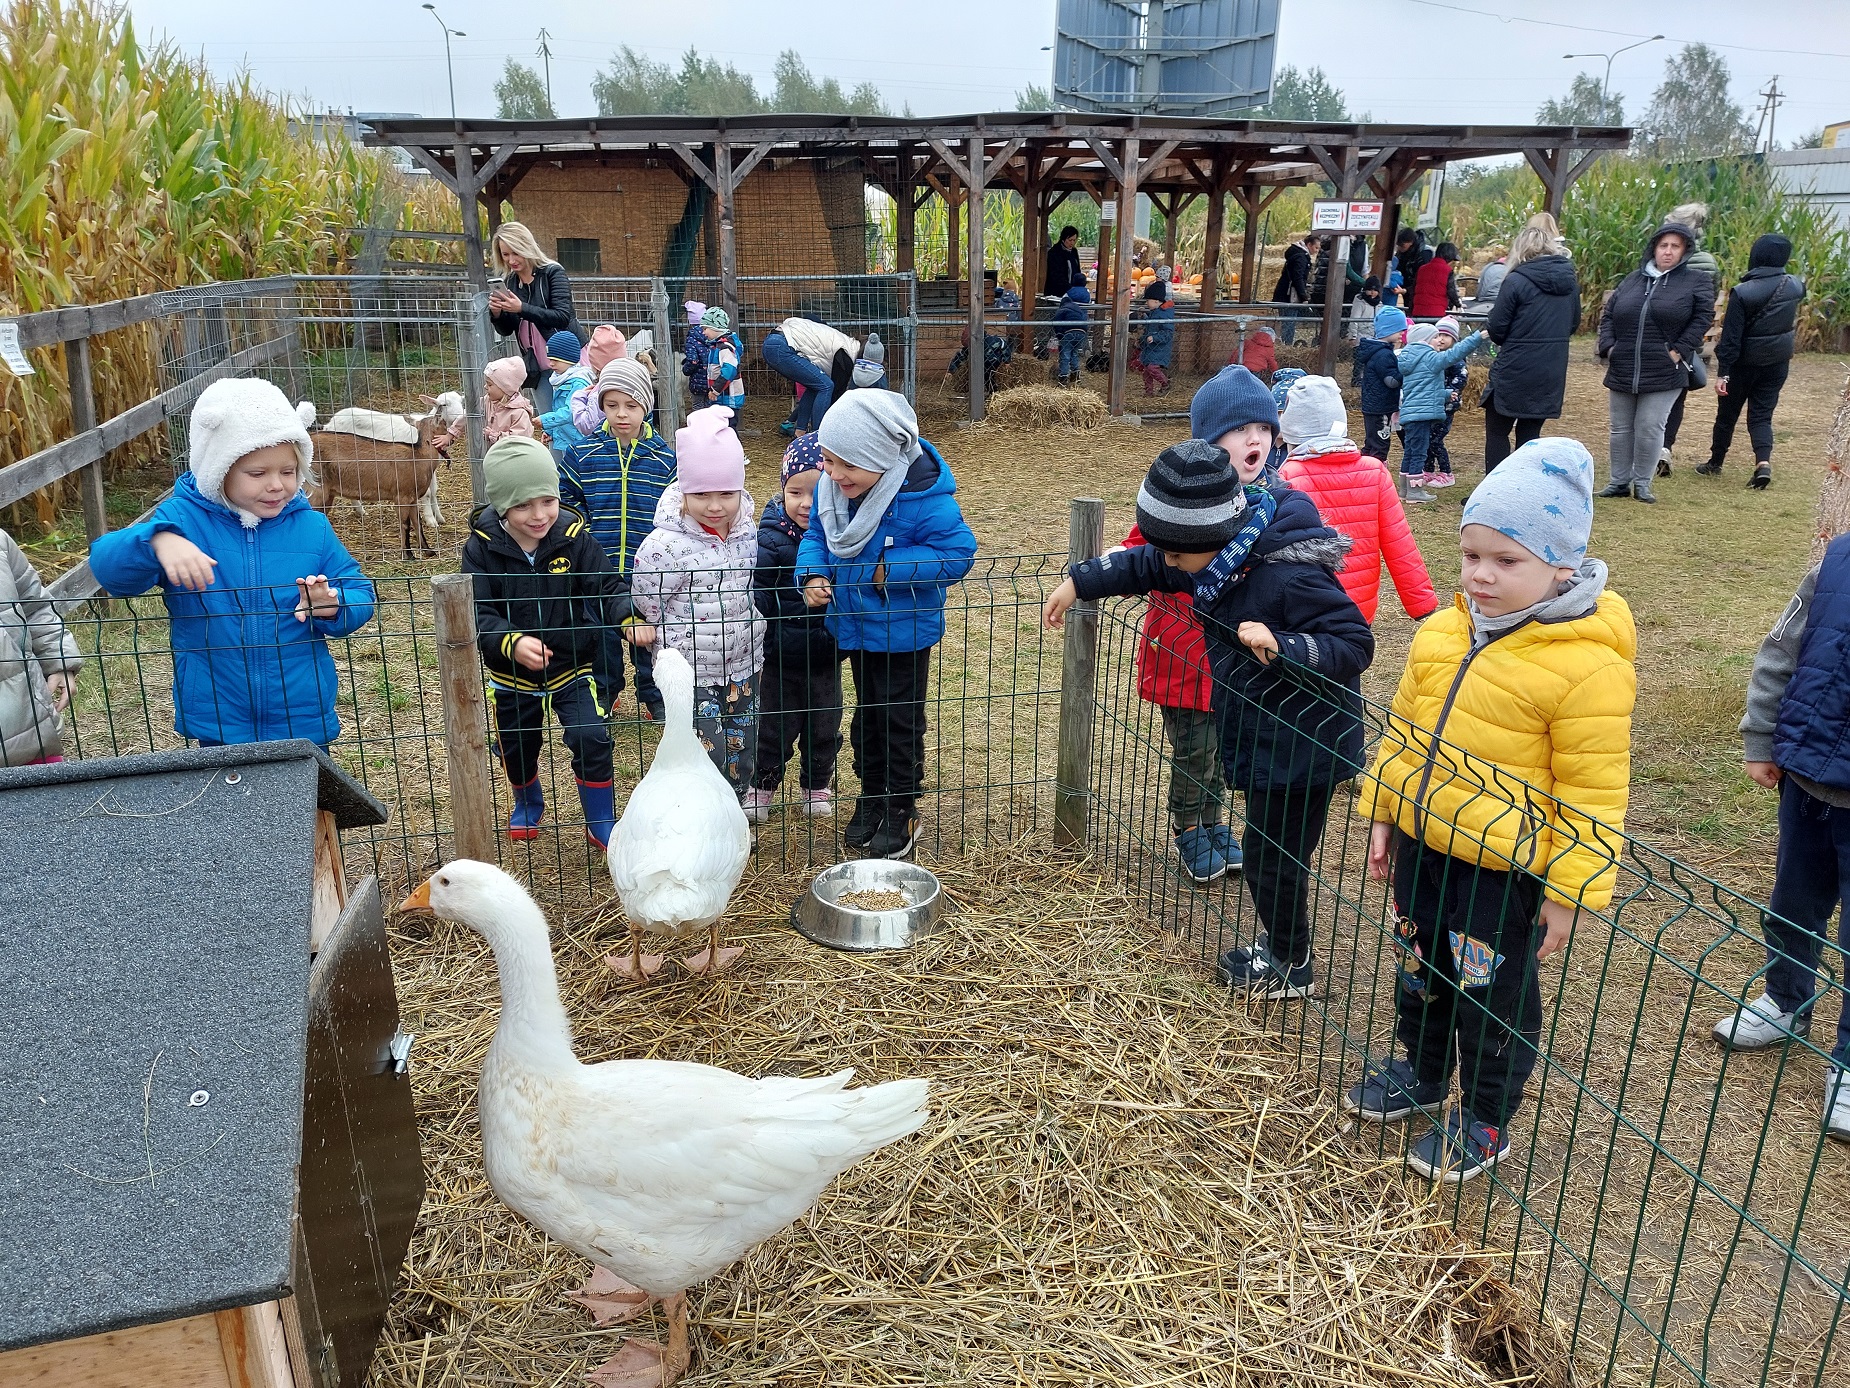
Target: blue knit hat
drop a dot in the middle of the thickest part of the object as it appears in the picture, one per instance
(1541, 496)
(564, 346)
(1229, 401)
(1389, 322)
(803, 455)
(1282, 380)
(1079, 294)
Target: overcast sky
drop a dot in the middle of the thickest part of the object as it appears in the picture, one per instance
(1456, 61)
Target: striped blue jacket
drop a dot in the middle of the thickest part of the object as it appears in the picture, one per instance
(616, 488)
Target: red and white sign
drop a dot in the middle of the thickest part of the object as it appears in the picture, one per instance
(1364, 216)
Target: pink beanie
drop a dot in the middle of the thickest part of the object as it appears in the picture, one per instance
(708, 454)
(1448, 325)
(605, 346)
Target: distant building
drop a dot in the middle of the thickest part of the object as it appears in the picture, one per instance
(1838, 135)
(1817, 176)
(323, 126)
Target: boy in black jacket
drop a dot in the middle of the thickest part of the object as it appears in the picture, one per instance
(544, 593)
(1287, 647)
(801, 685)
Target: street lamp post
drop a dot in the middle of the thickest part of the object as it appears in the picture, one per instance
(1605, 84)
(448, 65)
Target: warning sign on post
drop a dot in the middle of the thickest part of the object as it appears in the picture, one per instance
(9, 350)
(1364, 216)
(1345, 216)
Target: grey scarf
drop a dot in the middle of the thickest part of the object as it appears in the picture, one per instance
(847, 527)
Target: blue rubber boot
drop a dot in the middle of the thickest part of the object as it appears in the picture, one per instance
(523, 822)
(599, 799)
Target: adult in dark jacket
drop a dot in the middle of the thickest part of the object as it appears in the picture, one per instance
(1537, 312)
(1411, 254)
(1293, 285)
(532, 302)
(1063, 270)
(1287, 647)
(1759, 336)
(1649, 332)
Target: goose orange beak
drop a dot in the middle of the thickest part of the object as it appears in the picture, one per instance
(418, 900)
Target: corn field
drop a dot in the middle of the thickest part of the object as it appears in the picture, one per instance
(1615, 205)
(129, 170)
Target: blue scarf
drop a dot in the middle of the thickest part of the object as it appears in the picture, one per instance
(1224, 569)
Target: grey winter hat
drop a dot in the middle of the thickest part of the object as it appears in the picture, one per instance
(1541, 496)
(1191, 499)
(874, 349)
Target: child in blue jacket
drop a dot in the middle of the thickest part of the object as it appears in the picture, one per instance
(885, 540)
(254, 578)
(1073, 337)
(1378, 365)
(1422, 369)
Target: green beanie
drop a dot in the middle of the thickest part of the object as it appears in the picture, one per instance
(516, 470)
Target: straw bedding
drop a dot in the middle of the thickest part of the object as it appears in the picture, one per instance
(1047, 407)
(1118, 1185)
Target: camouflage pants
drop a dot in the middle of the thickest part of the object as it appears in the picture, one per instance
(726, 722)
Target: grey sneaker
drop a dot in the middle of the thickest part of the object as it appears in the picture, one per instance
(1837, 1103)
(1761, 1025)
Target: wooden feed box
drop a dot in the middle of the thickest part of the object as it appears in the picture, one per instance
(209, 1167)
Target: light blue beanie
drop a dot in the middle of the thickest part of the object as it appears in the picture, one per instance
(1541, 496)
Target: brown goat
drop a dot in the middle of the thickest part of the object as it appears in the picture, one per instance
(371, 470)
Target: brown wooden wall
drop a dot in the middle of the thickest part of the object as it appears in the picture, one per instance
(804, 218)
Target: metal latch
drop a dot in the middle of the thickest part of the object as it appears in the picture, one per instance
(401, 1050)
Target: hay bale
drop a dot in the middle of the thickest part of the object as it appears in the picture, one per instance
(1048, 407)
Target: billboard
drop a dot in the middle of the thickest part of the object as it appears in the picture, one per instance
(1169, 57)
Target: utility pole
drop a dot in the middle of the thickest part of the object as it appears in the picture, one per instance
(546, 55)
(1770, 97)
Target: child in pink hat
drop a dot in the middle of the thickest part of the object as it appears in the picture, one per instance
(693, 583)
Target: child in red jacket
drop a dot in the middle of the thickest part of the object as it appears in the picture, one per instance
(1354, 495)
(1173, 673)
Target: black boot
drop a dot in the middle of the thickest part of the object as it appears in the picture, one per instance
(1710, 468)
(1762, 478)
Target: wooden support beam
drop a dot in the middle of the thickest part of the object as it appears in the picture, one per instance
(1121, 276)
(467, 189)
(959, 170)
(1346, 184)
(1210, 273)
(428, 160)
(495, 162)
(750, 161)
(953, 222)
(978, 167)
(1369, 169)
(83, 420)
(1249, 245)
(697, 165)
(905, 253)
(1331, 166)
(728, 239)
(1113, 169)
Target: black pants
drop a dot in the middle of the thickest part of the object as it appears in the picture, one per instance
(799, 703)
(520, 726)
(1467, 991)
(1755, 389)
(888, 729)
(1497, 434)
(1375, 436)
(1673, 422)
(1283, 828)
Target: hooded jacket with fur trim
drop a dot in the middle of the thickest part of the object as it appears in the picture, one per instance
(1649, 316)
(244, 669)
(1295, 723)
(1516, 751)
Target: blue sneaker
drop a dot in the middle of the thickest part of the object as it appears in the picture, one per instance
(1255, 970)
(1201, 860)
(1388, 1093)
(1463, 1149)
(1227, 846)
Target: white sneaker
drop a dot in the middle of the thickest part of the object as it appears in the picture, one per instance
(758, 804)
(1837, 1103)
(818, 803)
(1760, 1025)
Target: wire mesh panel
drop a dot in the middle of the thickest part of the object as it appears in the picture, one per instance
(1665, 1197)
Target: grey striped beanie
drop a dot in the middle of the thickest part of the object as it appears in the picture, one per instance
(1191, 500)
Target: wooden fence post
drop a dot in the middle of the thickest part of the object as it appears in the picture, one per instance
(465, 718)
(667, 387)
(1072, 795)
(83, 420)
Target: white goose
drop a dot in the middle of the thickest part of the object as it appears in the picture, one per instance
(683, 841)
(660, 1172)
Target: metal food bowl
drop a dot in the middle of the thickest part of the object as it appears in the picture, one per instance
(819, 915)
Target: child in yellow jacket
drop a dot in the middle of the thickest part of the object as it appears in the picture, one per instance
(1495, 794)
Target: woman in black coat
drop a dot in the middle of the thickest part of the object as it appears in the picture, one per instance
(532, 302)
(1537, 311)
(1759, 336)
(1649, 334)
